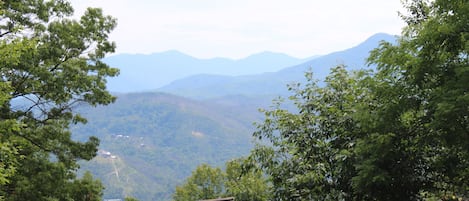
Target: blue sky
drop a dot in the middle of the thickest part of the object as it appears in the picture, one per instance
(238, 28)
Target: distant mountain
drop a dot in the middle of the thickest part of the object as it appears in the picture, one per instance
(150, 142)
(274, 83)
(148, 72)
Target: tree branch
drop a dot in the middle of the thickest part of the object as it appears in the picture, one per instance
(3, 34)
(34, 143)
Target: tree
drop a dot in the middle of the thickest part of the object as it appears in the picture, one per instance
(130, 199)
(245, 183)
(308, 155)
(8, 161)
(49, 64)
(400, 133)
(86, 189)
(204, 183)
(428, 69)
(239, 181)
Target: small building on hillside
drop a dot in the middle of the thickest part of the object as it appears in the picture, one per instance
(221, 199)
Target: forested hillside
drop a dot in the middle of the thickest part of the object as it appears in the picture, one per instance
(155, 140)
(158, 139)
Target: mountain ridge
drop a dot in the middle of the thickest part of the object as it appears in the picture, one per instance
(205, 86)
(142, 72)
(158, 138)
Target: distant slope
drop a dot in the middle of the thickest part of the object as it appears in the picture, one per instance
(158, 139)
(272, 84)
(148, 72)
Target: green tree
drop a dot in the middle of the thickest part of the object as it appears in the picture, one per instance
(425, 89)
(308, 155)
(130, 199)
(7, 151)
(398, 134)
(204, 183)
(49, 63)
(86, 189)
(241, 181)
(245, 183)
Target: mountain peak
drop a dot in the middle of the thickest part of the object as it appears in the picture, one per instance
(169, 66)
(373, 41)
(376, 38)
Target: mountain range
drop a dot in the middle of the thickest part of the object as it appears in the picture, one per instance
(273, 83)
(152, 140)
(139, 72)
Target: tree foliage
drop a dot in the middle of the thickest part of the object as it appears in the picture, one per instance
(245, 184)
(204, 183)
(86, 189)
(309, 153)
(400, 133)
(429, 68)
(208, 182)
(49, 63)
(130, 199)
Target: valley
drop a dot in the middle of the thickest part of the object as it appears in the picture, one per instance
(152, 138)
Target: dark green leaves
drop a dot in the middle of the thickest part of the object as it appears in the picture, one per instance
(313, 154)
(49, 64)
(399, 134)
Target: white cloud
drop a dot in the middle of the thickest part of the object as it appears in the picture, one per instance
(237, 28)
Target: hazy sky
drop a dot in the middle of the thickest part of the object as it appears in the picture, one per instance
(238, 28)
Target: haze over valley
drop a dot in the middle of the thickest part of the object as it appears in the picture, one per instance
(175, 112)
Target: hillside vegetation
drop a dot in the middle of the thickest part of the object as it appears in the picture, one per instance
(158, 139)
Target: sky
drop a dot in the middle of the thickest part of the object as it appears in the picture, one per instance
(239, 28)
